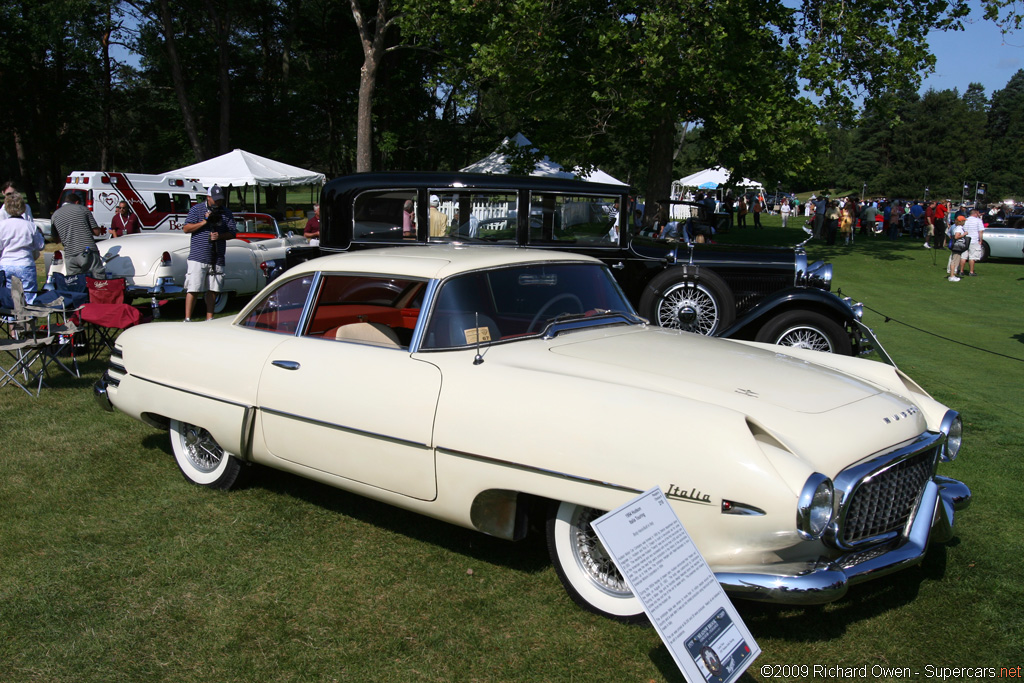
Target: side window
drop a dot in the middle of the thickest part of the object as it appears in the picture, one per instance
(583, 220)
(182, 203)
(163, 202)
(368, 309)
(280, 310)
(384, 216)
(489, 216)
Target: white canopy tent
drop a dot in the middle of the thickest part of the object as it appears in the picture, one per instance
(496, 162)
(240, 169)
(710, 178)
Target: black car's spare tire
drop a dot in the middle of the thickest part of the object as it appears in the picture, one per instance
(692, 300)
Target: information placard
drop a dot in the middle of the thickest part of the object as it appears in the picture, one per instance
(678, 591)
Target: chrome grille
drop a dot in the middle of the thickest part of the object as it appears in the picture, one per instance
(884, 501)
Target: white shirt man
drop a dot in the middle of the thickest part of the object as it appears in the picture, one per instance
(975, 229)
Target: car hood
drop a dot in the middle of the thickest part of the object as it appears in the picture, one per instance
(700, 366)
(675, 382)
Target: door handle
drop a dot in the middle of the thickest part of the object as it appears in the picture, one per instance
(618, 266)
(286, 364)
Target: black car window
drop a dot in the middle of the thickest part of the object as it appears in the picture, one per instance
(384, 216)
(565, 219)
(473, 215)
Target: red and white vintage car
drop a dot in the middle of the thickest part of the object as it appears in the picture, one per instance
(154, 264)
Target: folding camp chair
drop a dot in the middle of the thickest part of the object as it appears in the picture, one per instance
(108, 313)
(23, 342)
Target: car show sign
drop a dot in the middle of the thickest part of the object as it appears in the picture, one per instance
(695, 619)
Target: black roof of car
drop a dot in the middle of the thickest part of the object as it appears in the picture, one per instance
(417, 179)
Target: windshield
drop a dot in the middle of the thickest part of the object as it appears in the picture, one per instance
(495, 305)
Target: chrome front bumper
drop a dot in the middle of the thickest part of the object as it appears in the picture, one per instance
(99, 393)
(811, 583)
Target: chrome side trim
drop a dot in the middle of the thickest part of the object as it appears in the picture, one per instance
(538, 470)
(193, 393)
(248, 427)
(307, 308)
(343, 428)
(421, 324)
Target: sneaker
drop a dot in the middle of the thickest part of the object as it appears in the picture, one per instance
(187, 320)
(973, 274)
(952, 278)
(927, 246)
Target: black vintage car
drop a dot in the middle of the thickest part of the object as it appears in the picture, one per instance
(755, 293)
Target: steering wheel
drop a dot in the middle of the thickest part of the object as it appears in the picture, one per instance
(551, 302)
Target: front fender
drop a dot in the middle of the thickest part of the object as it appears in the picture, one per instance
(788, 299)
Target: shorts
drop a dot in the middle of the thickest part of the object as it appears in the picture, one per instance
(974, 252)
(204, 277)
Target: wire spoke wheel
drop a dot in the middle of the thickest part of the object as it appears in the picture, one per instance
(591, 556)
(806, 338)
(699, 302)
(806, 330)
(202, 451)
(689, 306)
(584, 567)
(201, 459)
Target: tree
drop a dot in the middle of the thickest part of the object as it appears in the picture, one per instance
(578, 74)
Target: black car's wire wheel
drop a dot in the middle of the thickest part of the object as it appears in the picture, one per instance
(701, 303)
(806, 330)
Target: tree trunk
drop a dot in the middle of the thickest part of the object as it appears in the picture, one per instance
(222, 29)
(188, 118)
(373, 51)
(660, 157)
(105, 103)
(364, 117)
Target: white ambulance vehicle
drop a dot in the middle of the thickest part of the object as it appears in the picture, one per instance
(160, 201)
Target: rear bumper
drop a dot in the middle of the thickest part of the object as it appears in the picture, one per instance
(164, 287)
(827, 580)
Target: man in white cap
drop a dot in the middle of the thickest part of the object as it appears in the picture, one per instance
(210, 225)
(438, 221)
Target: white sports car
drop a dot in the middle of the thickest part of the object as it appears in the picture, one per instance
(154, 263)
(489, 387)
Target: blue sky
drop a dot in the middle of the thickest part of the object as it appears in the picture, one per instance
(979, 54)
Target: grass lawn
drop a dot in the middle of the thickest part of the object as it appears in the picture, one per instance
(116, 569)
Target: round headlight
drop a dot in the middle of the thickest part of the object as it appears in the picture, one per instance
(815, 508)
(953, 428)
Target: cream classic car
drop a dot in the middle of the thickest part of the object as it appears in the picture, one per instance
(154, 263)
(492, 387)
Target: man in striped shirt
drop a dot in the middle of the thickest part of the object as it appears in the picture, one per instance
(75, 227)
(210, 224)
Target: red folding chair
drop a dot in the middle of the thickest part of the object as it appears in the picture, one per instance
(108, 313)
